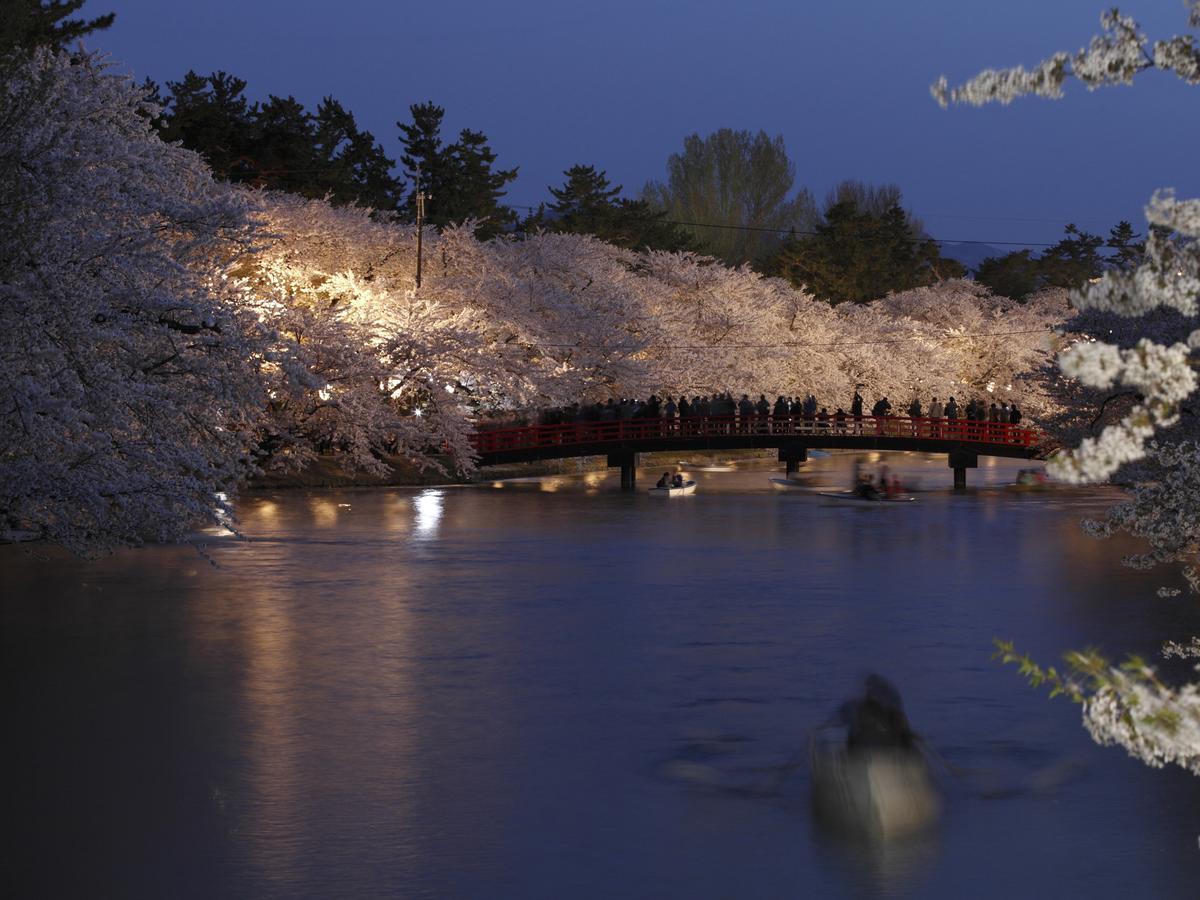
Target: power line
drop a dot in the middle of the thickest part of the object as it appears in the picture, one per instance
(810, 233)
(787, 345)
(751, 228)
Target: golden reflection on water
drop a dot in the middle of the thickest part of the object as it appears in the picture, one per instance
(324, 511)
(317, 667)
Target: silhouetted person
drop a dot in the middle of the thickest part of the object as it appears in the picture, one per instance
(876, 719)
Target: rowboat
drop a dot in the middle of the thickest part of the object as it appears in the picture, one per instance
(856, 499)
(882, 793)
(689, 487)
(791, 483)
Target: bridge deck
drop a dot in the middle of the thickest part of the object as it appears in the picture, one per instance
(735, 432)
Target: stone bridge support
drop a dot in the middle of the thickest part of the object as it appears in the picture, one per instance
(627, 460)
(960, 461)
(791, 456)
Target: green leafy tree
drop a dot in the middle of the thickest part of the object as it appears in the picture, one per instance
(1014, 275)
(44, 23)
(588, 204)
(858, 256)
(460, 179)
(733, 191)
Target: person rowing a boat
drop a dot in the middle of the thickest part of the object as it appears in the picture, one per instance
(665, 481)
(876, 719)
(867, 490)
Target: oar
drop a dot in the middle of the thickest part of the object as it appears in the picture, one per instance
(956, 771)
(794, 762)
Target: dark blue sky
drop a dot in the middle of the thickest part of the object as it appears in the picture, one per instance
(619, 84)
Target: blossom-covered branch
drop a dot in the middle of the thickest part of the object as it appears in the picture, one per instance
(1114, 57)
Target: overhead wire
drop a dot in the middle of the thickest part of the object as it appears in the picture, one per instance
(790, 344)
(758, 228)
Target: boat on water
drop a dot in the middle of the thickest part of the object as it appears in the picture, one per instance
(882, 793)
(1030, 480)
(856, 499)
(689, 487)
(715, 468)
(792, 483)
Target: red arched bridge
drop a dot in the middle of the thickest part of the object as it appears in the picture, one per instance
(963, 440)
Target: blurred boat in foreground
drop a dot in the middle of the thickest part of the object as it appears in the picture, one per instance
(878, 792)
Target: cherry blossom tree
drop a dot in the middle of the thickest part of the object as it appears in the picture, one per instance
(163, 336)
(129, 390)
(1129, 705)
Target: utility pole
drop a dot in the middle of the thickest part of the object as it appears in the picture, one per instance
(421, 198)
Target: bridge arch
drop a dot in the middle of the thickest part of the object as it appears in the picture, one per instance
(963, 440)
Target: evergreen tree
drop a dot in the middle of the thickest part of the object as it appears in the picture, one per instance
(587, 204)
(585, 197)
(36, 23)
(210, 114)
(350, 157)
(476, 187)
(284, 150)
(279, 144)
(861, 256)
(1073, 261)
(1128, 251)
(424, 157)
(459, 180)
(1015, 275)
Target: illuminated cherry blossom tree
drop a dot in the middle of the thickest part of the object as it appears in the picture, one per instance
(1129, 705)
(129, 392)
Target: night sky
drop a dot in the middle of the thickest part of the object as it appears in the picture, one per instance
(619, 84)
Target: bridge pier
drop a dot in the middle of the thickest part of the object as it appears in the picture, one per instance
(791, 457)
(960, 461)
(627, 460)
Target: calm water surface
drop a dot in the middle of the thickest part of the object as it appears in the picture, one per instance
(487, 692)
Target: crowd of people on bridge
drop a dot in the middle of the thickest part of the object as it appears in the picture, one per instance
(785, 409)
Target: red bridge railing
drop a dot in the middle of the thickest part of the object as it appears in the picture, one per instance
(962, 430)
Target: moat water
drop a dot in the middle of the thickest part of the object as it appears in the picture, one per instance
(486, 692)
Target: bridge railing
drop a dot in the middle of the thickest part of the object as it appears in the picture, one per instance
(535, 436)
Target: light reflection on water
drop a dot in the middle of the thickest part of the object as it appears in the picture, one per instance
(482, 693)
(428, 506)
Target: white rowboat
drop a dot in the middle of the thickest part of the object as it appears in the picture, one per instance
(792, 484)
(858, 500)
(689, 487)
(882, 792)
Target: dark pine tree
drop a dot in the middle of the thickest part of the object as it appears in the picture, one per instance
(424, 156)
(476, 187)
(278, 145)
(588, 204)
(210, 114)
(860, 256)
(459, 180)
(1014, 275)
(1128, 251)
(44, 23)
(1073, 260)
